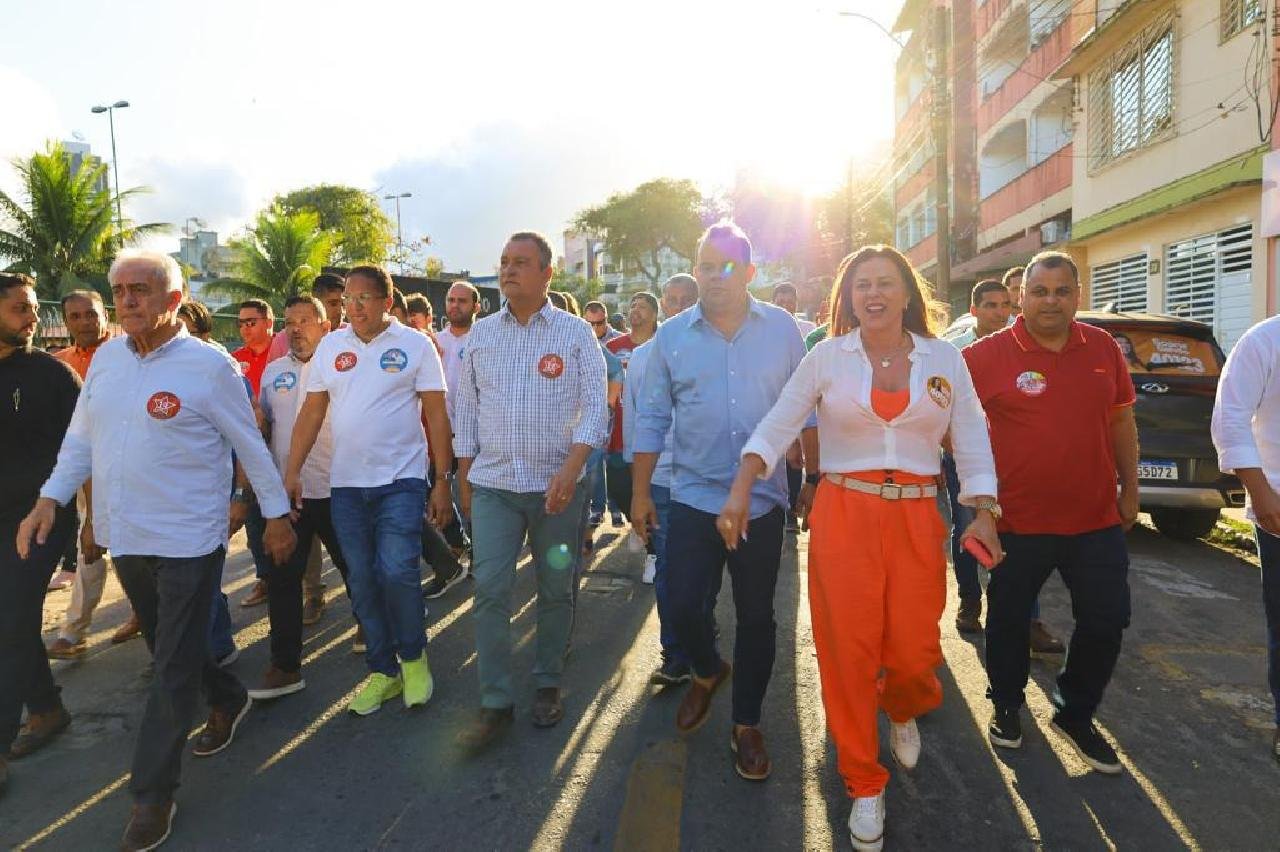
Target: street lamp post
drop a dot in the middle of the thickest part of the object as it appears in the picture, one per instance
(115, 161)
(399, 238)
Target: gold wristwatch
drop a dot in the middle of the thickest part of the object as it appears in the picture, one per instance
(990, 504)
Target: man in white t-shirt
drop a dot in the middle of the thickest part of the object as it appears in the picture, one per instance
(461, 304)
(379, 380)
(283, 391)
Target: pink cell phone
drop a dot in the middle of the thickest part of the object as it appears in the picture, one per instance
(979, 552)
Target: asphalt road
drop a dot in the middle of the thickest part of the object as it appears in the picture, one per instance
(1188, 709)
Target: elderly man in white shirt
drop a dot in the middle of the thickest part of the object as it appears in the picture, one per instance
(155, 425)
(1246, 431)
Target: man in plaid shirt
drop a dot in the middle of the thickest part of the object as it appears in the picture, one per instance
(529, 408)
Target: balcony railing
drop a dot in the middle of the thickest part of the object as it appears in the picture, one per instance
(1030, 188)
(1036, 68)
(923, 253)
(986, 16)
(914, 185)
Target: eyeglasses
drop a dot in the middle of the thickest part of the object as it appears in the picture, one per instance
(364, 299)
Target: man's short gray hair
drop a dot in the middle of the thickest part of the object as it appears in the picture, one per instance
(167, 270)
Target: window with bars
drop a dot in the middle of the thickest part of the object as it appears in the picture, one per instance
(1122, 282)
(1195, 269)
(1131, 95)
(1238, 15)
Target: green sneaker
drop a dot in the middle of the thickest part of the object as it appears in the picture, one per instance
(418, 684)
(377, 689)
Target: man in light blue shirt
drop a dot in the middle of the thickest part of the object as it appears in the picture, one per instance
(714, 372)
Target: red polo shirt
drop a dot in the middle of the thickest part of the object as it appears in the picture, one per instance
(252, 364)
(1050, 420)
(622, 345)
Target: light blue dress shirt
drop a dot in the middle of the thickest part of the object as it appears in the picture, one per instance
(711, 392)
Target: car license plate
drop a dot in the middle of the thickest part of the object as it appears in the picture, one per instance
(1157, 469)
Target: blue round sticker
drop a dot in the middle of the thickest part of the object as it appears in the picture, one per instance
(393, 360)
(285, 382)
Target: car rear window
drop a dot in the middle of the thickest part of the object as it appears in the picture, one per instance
(1166, 353)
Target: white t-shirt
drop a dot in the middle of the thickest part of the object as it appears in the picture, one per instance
(283, 390)
(373, 403)
(453, 347)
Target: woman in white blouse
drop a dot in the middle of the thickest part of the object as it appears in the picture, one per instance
(886, 391)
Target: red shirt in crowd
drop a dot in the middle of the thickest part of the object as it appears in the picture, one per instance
(622, 346)
(1050, 419)
(252, 364)
(79, 359)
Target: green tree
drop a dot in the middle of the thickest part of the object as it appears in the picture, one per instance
(62, 230)
(583, 289)
(279, 257)
(361, 232)
(636, 226)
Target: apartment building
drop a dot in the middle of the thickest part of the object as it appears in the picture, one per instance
(1175, 108)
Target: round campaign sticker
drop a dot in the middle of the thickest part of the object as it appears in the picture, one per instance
(939, 390)
(164, 405)
(393, 360)
(345, 361)
(551, 366)
(1032, 383)
(285, 382)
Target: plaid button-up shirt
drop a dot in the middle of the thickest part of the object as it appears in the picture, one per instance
(525, 395)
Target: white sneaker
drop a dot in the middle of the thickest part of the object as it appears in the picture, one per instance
(904, 742)
(650, 569)
(866, 823)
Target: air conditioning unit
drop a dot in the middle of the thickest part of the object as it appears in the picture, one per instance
(1053, 232)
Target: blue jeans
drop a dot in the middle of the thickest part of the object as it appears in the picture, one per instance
(661, 589)
(1269, 553)
(753, 571)
(380, 533)
(501, 520)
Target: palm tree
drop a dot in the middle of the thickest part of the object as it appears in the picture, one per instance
(63, 232)
(278, 258)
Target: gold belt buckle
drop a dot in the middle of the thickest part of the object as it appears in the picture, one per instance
(891, 491)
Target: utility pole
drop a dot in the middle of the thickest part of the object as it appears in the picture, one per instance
(941, 142)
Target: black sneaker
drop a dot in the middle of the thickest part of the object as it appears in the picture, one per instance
(439, 585)
(1005, 729)
(671, 673)
(1089, 744)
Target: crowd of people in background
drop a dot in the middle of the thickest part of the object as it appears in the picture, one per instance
(713, 423)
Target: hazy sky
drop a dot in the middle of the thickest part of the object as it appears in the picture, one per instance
(496, 116)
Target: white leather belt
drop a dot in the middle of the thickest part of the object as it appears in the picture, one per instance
(885, 490)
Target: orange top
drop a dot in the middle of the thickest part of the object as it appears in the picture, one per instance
(78, 359)
(889, 404)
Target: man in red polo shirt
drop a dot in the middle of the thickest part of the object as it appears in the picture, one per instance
(1059, 401)
(256, 324)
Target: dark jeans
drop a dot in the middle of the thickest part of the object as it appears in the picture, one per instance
(173, 598)
(254, 528)
(1269, 553)
(696, 556)
(73, 541)
(437, 550)
(380, 531)
(284, 583)
(25, 677)
(795, 481)
(1095, 567)
(618, 483)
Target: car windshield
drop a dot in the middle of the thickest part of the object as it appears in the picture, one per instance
(1166, 353)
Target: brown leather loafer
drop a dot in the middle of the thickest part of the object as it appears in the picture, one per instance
(969, 616)
(220, 730)
(312, 610)
(128, 630)
(697, 701)
(750, 757)
(65, 649)
(40, 730)
(488, 726)
(149, 826)
(256, 596)
(547, 708)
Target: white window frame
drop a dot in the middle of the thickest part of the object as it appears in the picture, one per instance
(1132, 94)
(1193, 268)
(1122, 281)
